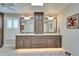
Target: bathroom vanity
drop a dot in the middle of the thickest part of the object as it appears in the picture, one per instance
(41, 33)
(38, 41)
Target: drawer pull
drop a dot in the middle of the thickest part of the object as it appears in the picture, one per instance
(38, 44)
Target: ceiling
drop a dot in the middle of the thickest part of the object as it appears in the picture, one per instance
(48, 8)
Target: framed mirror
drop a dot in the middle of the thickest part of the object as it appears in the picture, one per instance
(27, 26)
(50, 26)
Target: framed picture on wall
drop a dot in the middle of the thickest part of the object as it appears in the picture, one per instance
(73, 21)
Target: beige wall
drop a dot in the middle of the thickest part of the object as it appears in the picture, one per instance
(70, 37)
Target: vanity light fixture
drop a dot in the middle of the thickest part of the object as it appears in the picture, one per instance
(50, 18)
(26, 18)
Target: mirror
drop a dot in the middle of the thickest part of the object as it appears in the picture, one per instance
(27, 25)
(50, 26)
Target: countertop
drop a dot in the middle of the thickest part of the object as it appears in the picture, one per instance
(25, 34)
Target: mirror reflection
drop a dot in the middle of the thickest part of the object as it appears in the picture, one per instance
(49, 25)
(27, 25)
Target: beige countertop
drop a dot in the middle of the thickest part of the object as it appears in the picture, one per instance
(25, 34)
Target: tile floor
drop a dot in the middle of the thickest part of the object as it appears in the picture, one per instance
(9, 50)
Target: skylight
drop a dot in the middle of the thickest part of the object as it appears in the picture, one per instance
(37, 4)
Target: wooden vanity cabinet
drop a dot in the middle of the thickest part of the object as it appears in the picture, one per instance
(53, 41)
(22, 42)
(38, 42)
(43, 41)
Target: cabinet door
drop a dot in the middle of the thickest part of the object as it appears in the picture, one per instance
(38, 22)
(23, 42)
(38, 27)
(50, 43)
(19, 43)
(28, 42)
(53, 43)
(58, 43)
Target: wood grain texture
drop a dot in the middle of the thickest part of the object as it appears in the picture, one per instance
(38, 16)
(46, 41)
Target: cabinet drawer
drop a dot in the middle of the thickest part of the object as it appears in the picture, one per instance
(38, 45)
(50, 37)
(23, 37)
(38, 41)
(53, 43)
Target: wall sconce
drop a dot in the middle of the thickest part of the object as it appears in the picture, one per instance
(26, 18)
(50, 18)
